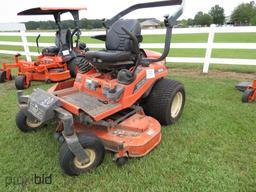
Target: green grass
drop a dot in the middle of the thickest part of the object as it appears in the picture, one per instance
(235, 38)
(216, 53)
(10, 47)
(211, 148)
(234, 53)
(177, 38)
(199, 66)
(42, 39)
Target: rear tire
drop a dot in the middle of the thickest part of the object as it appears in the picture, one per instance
(2, 76)
(26, 124)
(20, 82)
(94, 149)
(246, 96)
(165, 101)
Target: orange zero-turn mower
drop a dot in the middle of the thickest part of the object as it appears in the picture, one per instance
(56, 63)
(249, 91)
(118, 105)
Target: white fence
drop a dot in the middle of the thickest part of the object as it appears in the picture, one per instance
(208, 46)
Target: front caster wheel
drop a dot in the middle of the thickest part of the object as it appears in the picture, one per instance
(21, 83)
(247, 96)
(121, 161)
(94, 149)
(2, 76)
(47, 81)
(27, 124)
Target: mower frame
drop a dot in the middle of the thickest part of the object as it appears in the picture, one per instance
(60, 103)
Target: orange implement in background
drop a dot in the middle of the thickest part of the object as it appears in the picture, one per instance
(45, 68)
(249, 94)
(56, 63)
(249, 91)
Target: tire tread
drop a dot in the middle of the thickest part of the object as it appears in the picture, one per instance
(66, 156)
(158, 102)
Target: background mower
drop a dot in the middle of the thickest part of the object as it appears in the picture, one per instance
(118, 105)
(249, 91)
(57, 63)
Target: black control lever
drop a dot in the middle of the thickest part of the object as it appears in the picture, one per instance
(134, 39)
(136, 48)
(37, 43)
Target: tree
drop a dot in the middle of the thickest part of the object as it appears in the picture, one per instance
(191, 22)
(243, 14)
(183, 23)
(32, 25)
(203, 19)
(90, 24)
(253, 20)
(84, 23)
(217, 14)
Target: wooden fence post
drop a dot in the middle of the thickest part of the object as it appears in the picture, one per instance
(209, 48)
(25, 44)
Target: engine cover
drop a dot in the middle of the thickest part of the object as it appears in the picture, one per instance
(41, 105)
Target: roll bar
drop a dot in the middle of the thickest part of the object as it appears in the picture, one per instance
(169, 22)
(174, 17)
(74, 14)
(76, 31)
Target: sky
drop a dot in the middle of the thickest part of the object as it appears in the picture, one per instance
(99, 9)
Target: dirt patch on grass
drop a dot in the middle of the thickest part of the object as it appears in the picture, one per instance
(214, 73)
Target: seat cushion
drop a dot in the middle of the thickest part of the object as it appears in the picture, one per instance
(120, 52)
(109, 56)
(50, 51)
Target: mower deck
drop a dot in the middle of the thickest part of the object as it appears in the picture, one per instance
(45, 68)
(52, 76)
(128, 131)
(137, 135)
(243, 85)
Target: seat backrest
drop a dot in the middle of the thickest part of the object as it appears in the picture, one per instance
(117, 39)
(63, 39)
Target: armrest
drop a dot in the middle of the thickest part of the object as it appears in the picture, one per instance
(99, 37)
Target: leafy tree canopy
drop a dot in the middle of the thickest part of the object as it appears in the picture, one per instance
(217, 14)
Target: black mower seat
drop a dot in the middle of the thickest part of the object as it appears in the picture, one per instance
(119, 46)
(62, 41)
(50, 51)
(109, 56)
